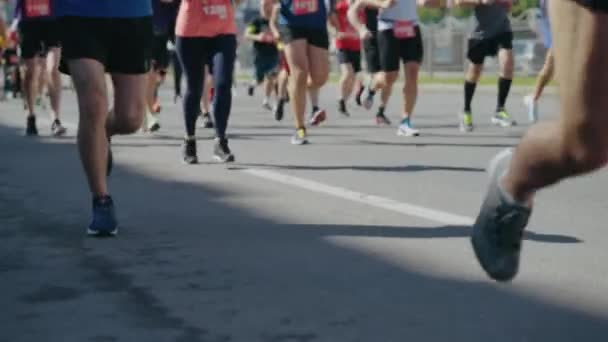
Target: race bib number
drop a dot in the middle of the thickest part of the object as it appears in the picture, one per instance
(37, 8)
(404, 29)
(220, 11)
(303, 7)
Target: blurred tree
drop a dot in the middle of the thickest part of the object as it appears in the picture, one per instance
(432, 15)
(521, 6)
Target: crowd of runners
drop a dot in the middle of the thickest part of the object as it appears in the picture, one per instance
(135, 42)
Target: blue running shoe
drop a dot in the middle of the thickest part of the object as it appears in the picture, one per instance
(104, 218)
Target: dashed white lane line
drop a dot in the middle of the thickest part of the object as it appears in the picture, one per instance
(371, 200)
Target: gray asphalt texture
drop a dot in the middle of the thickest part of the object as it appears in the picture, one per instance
(213, 253)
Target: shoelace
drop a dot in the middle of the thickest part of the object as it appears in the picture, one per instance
(504, 115)
(508, 226)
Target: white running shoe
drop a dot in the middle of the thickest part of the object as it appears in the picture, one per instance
(532, 107)
(406, 130)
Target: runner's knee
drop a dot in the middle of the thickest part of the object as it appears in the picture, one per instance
(299, 76)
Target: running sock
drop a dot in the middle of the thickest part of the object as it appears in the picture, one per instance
(380, 111)
(469, 91)
(504, 86)
(361, 89)
(342, 105)
(406, 121)
(315, 109)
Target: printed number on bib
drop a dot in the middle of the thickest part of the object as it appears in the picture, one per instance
(404, 29)
(37, 8)
(303, 7)
(217, 9)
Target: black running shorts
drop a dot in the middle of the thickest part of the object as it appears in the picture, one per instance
(596, 5)
(38, 36)
(318, 38)
(372, 54)
(394, 50)
(122, 45)
(160, 53)
(350, 57)
(479, 49)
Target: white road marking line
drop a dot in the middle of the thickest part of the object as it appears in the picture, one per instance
(372, 200)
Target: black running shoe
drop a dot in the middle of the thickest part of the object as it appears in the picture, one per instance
(207, 123)
(221, 151)
(189, 151)
(382, 120)
(342, 108)
(31, 129)
(498, 231)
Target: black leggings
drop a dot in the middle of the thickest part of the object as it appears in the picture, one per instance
(194, 53)
(177, 73)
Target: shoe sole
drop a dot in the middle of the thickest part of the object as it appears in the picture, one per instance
(218, 159)
(465, 129)
(60, 132)
(503, 124)
(383, 122)
(299, 143)
(94, 233)
(193, 162)
(402, 134)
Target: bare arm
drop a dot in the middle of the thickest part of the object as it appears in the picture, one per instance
(353, 15)
(273, 21)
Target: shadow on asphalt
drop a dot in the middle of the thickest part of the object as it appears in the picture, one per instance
(401, 168)
(412, 142)
(191, 266)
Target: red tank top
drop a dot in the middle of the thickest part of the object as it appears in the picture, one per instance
(349, 37)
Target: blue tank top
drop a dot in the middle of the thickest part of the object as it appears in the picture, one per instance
(303, 13)
(104, 8)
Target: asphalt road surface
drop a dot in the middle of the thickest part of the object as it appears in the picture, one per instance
(360, 236)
